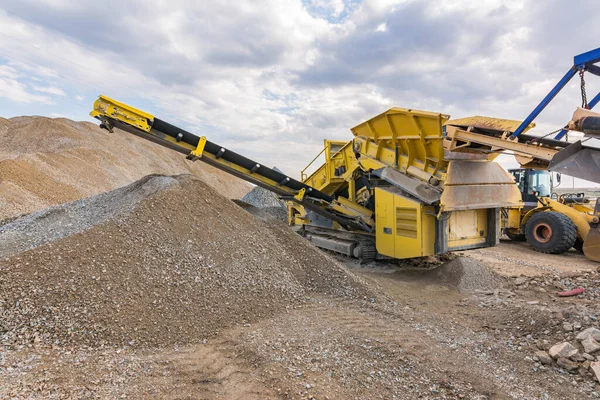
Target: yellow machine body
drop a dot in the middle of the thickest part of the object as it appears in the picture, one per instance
(425, 203)
(405, 227)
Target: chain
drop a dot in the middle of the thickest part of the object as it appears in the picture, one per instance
(584, 102)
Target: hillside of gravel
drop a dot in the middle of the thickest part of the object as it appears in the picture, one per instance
(181, 265)
(44, 162)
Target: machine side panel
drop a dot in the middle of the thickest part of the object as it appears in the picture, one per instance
(405, 227)
(385, 222)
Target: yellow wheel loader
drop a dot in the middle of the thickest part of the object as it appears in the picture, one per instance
(549, 222)
(550, 225)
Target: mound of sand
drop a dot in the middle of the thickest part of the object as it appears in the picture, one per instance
(175, 265)
(44, 162)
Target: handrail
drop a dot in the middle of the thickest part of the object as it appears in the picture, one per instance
(303, 176)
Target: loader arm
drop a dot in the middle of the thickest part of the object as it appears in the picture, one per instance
(114, 114)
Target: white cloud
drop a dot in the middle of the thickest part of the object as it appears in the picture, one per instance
(275, 76)
(381, 27)
(15, 91)
(8, 72)
(50, 90)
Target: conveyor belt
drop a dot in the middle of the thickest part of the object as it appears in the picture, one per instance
(160, 128)
(114, 114)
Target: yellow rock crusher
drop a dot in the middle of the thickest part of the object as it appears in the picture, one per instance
(391, 191)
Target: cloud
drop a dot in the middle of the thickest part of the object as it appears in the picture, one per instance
(272, 79)
(50, 90)
(381, 27)
(15, 91)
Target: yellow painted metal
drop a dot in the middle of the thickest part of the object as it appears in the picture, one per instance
(199, 149)
(514, 219)
(591, 244)
(300, 195)
(405, 228)
(409, 140)
(105, 106)
(467, 228)
(337, 154)
(352, 189)
(353, 209)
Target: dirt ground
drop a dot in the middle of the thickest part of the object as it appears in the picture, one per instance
(418, 339)
(179, 293)
(517, 258)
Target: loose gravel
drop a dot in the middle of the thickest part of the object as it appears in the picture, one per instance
(64, 220)
(184, 264)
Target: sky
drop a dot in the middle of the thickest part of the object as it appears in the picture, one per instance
(271, 79)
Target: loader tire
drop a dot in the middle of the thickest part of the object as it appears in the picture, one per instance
(550, 232)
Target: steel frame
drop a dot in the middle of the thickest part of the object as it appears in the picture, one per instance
(585, 61)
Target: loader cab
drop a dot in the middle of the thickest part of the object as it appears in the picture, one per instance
(532, 184)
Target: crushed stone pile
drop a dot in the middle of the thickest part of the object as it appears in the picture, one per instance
(44, 162)
(266, 201)
(183, 264)
(466, 274)
(66, 219)
(262, 198)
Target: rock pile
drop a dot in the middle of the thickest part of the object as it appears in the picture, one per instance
(267, 202)
(262, 198)
(182, 265)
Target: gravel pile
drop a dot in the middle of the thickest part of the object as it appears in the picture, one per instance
(183, 265)
(265, 201)
(45, 162)
(56, 222)
(467, 274)
(262, 198)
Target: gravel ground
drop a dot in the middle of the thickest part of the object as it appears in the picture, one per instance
(467, 274)
(187, 295)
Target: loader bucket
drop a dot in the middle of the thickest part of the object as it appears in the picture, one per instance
(474, 185)
(591, 245)
(578, 161)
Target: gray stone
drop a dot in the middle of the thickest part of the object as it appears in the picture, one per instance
(584, 334)
(567, 327)
(567, 364)
(562, 350)
(590, 345)
(595, 367)
(543, 357)
(520, 280)
(589, 357)
(586, 364)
